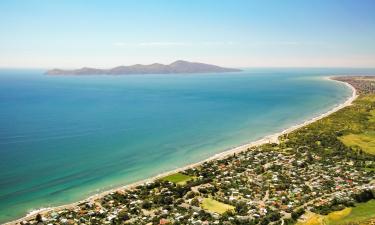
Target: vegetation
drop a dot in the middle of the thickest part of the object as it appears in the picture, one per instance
(359, 214)
(311, 219)
(215, 206)
(178, 178)
(352, 126)
(364, 141)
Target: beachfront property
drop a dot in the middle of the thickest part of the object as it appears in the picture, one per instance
(309, 171)
(257, 184)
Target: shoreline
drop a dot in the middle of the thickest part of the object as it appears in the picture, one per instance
(273, 138)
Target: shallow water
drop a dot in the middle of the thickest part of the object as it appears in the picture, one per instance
(64, 138)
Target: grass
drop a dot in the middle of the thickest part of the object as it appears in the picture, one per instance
(212, 205)
(365, 141)
(360, 213)
(356, 215)
(178, 178)
(338, 215)
(311, 219)
(361, 133)
(369, 169)
(368, 98)
(372, 116)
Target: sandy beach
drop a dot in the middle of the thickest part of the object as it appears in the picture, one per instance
(267, 139)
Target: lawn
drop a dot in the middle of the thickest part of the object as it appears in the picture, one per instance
(311, 219)
(372, 116)
(360, 213)
(178, 178)
(365, 141)
(215, 206)
(337, 216)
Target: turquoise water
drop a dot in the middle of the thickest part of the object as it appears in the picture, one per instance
(65, 138)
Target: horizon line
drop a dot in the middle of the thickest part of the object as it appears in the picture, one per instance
(235, 67)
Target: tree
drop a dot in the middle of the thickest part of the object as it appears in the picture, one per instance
(190, 195)
(123, 215)
(265, 221)
(296, 214)
(274, 216)
(38, 218)
(146, 204)
(195, 202)
(241, 208)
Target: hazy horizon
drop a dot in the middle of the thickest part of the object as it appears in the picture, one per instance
(74, 34)
(236, 67)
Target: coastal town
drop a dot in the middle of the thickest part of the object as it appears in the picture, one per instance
(312, 169)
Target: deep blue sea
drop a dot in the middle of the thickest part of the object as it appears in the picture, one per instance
(63, 138)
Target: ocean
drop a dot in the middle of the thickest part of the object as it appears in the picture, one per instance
(64, 138)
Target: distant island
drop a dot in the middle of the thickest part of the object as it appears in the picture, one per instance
(179, 66)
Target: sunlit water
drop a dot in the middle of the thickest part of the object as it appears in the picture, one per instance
(64, 138)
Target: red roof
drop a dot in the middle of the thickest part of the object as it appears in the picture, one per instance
(164, 221)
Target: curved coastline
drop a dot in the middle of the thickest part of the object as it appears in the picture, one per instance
(273, 138)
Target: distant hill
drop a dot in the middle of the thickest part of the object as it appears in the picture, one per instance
(179, 66)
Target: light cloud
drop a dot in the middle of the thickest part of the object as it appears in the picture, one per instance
(171, 43)
(164, 44)
(215, 43)
(284, 43)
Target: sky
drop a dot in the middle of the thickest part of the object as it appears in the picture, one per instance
(236, 33)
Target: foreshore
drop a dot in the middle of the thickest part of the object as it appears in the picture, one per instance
(267, 139)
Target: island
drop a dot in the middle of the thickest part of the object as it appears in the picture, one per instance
(179, 66)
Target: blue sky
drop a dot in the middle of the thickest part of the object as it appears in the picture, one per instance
(240, 33)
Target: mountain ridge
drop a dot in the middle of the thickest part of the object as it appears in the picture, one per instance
(179, 66)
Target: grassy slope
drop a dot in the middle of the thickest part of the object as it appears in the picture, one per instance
(311, 219)
(361, 213)
(215, 206)
(365, 141)
(352, 126)
(356, 215)
(336, 217)
(372, 116)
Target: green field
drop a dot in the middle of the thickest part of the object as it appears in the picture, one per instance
(212, 205)
(178, 178)
(365, 141)
(311, 219)
(360, 213)
(372, 116)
